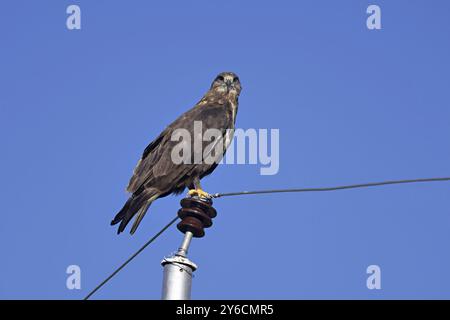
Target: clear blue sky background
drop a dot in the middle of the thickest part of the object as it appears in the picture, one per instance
(77, 108)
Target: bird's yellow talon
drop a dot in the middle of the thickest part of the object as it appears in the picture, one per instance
(200, 193)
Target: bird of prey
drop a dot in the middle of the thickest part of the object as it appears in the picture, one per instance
(157, 175)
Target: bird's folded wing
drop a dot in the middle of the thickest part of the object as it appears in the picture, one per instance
(156, 160)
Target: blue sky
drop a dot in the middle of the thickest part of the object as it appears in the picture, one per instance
(78, 107)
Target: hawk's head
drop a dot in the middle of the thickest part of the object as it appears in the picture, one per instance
(227, 82)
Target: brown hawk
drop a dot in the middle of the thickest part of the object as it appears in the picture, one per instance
(158, 175)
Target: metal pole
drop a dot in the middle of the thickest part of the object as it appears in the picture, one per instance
(183, 250)
(178, 272)
(196, 214)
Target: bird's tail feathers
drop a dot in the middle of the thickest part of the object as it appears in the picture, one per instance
(135, 204)
(141, 213)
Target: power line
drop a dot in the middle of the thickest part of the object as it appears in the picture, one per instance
(352, 186)
(131, 258)
(229, 194)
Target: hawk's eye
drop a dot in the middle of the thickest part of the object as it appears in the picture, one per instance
(220, 78)
(236, 79)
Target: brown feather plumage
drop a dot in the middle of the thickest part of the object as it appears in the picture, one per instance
(156, 175)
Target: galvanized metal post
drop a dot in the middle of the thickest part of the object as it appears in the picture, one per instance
(196, 214)
(178, 272)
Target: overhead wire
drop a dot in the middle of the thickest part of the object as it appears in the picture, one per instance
(160, 232)
(343, 187)
(269, 191)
